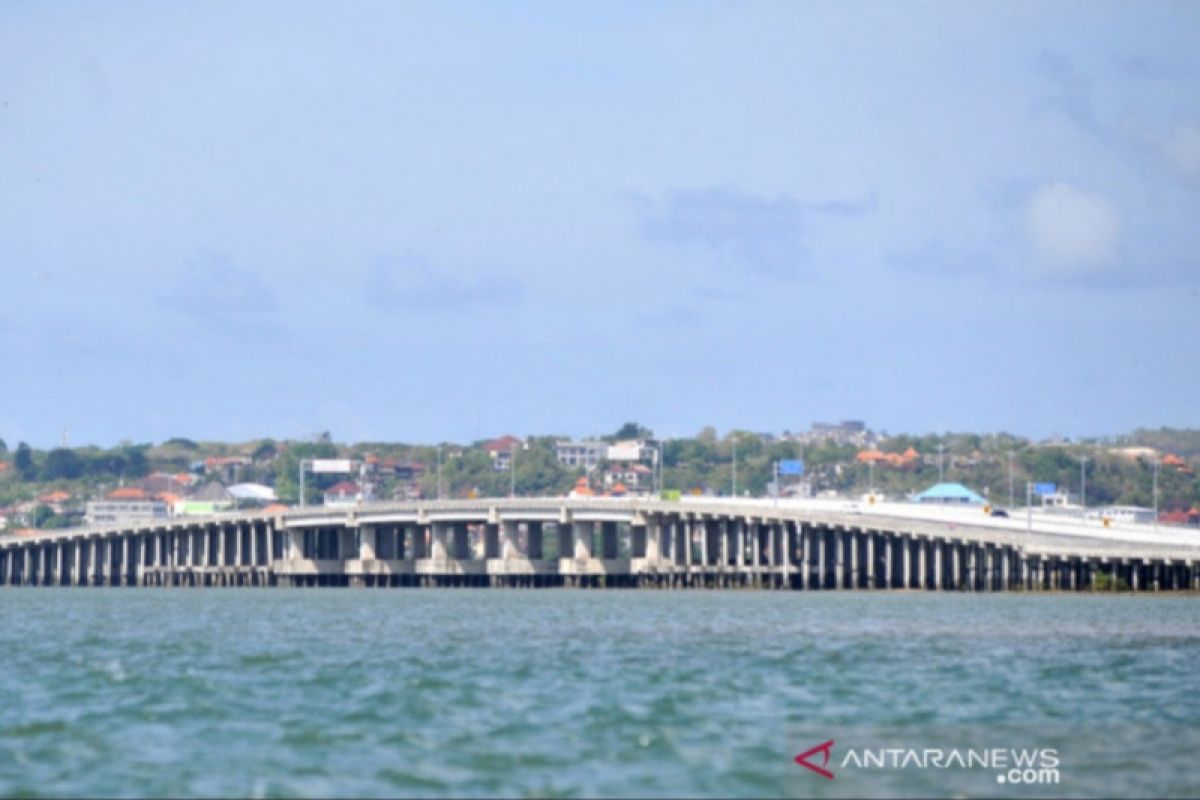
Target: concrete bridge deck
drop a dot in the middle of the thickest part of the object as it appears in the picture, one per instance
(713, 542)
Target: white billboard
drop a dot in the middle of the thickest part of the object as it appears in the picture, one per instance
(331, 465)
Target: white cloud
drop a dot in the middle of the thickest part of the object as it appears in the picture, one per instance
(1072, 230)
(1184, 151)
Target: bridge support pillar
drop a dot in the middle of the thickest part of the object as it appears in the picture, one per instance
(889, 560)
(938, 545)
(509, 545)
(822, 534)
(922, 546)
(584, 536)
(740, 545)
(367, 535)
(870, 537)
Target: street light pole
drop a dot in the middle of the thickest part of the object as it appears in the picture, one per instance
(1012, 500)
(439, 473)
(512, 472)
(1083, 482)
(1029, 507)
(734, 490)
(941, 473)
(1156, 494)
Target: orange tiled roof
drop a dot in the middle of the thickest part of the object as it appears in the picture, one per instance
(275, 508)
(1172, 460)
(54, 497)
(127, 493)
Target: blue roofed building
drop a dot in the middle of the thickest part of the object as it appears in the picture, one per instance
(949, 493)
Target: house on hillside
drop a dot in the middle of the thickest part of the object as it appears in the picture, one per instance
(345, 493)
(501, 451)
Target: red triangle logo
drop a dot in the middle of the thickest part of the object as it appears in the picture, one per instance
(826, 751)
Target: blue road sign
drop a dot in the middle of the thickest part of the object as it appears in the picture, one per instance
(791, 467)
(1044, 488)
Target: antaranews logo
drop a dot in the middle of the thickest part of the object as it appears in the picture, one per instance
(1009, 765)
(826, 750)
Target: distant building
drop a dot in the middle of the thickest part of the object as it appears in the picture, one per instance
(501, 451)
(626, 451)
(949, 494)
(636, 477)
(106, 512)
(1122, 514)
(586, 454)
(343, 494)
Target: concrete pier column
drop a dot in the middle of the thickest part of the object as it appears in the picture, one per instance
(1004, 567)
(804, 537)
(889, 560)
(104, 575)
(787, 551)
(704, 530)
(936, 546)
(509, 547)
(439, 542)
(58, 562)
(77, 562)
(906, 548)
(739, 546)
(222, 549)
(870, 559)
(922, 562)
(819, 578)
(608, 540)
(685, 542)
(771, 542)
(653, 534)
(239, 543)
(367, 541)
(839, 559)
(853, 543)
(584, 536)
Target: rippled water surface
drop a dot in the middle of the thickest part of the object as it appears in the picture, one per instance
(564, 693)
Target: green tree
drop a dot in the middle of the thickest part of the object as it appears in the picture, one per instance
(62, 464)
(631, 430)
(24, 462)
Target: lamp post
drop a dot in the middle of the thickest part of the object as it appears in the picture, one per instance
(512, 471)
(1083, 482)
(439, 472)
(733, 492)
(1012, 500)
(941, 477)
(1156, 463)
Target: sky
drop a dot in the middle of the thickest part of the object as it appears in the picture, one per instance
(450, 221)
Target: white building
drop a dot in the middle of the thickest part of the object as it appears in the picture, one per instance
(586, 454)
(627, 451)
(104, 512)
(1123, 514)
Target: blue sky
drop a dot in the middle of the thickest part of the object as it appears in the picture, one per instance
(432, 221)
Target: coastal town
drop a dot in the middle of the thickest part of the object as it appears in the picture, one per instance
(1146, 477)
